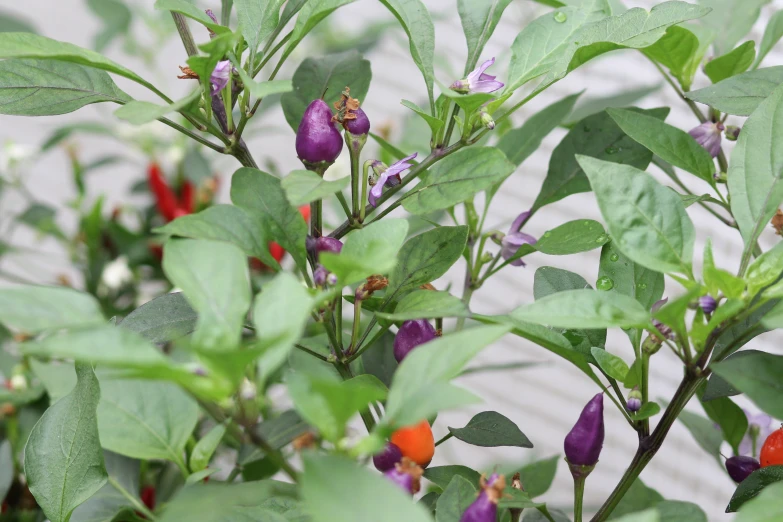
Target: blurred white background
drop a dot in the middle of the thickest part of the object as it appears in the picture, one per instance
(544, 401)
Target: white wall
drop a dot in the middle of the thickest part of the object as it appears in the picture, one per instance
(544, 401)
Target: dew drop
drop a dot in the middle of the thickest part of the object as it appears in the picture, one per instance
(614, 257)
(642, 286)
(560, 17)
(603, 238)
(611, 150)
(604, 283)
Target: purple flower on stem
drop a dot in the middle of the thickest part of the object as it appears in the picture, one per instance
(708, 136)
(477, 81)
(584, 442)
(740, 467)
(386, 175)
(759, 428)
(410, 335)
(708, 304)
(664, 330)
(485, 507)
(407, 475)
(512, 241)
(220, 76)
(323, 277)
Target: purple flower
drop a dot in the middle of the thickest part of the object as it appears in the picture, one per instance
(708, 304)
(359, 125)
(485, 507)
(388, 458)
(634, 401)
(322, 244)
(512, 241)
(317, 139)
(323, 277)
(664, 330)
(759, 428)
(407, 475)
(740, 467)
(477, 81)
(708, 136)
(584, 442)
(220, 76)
(410, 335)
(211, 15)
(387, 175)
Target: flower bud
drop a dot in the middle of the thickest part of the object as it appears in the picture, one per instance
(584, 442)
(485, 507)
(487, 120)
(708, 304)
(388, 458)
(318, 142)
(732, 132)
(322, 276)
(407, 475)
(708, 136)
(18, 382)
(247, 390)
(740, 467)
(410, 335)
(634, 402)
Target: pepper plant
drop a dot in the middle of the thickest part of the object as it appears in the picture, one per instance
(173, 411)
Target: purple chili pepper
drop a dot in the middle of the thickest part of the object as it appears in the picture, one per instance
(359, 126)
(485, 507)
(388, 458)
(317, 139)
(584, 442)
(708, 304)
(410, 335)
(740, 467)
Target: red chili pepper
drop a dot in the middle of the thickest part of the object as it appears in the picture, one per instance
(164, 197)
(187, 197)
(148, 496)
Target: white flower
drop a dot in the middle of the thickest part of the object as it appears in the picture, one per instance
(13, 155)
(116, 274)
(18, 382)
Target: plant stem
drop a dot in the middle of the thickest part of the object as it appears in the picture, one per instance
(444, 439)
(315, 218)
(137, 505)
(344, 204)
(579, 492)
(185, 34)
(308, 350)
(192, 135)
(225, 12)
(355, 173)
(365, 181)
(364, 347)
(645, 390)
(357, 320)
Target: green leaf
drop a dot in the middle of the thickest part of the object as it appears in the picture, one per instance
(772, 34)
(186, 8)
(442, 476)
(458, 495)
(576, 236)
(380, 361)
(46, 87)
(704, 431)
(681, 51)
(670, 143)
(214, 278)
(741, 94)
(765, 270)
(731, 19)
(283, 429)
(418, 385)
(756, 168)
(515, 498)
(738, 335)
(584, 309)
(141, 112)
(367, 251)
(280, 313)
(205, 448)
(33, 309)
(107, 502)
(730, 417)
(26, 45)
(752, 486)
(6, 467)
(537, 477)
(542, 42)
(457, 178)
(263, 198)
(63, 461)
(468, 102)
(479, 20)
(258, 500)
(647, 220)
(163, 319)
(304, 186)
(774, 318)
(415, 20)
(257, 21)
(614, 366)
(731, 64)
(326, 76)
(594, 105)
(220, 223)
(116, 18)
(758, 376)
(146, 419)
(638, 497)
(203, 65)
(490, 429)
(597, 136)
(679, 511)
(426, 304)
(717, 386)
(426, 257)
(520, 143)
(334, 488)
(434, 123)
(647, 410)
(765, 508)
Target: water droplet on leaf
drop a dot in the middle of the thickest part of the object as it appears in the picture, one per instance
(611, 150)
(560, 17)
(602, 238)
(642, 286)
(604, 283)
(614, 257)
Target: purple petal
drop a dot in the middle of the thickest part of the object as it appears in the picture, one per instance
(708, 135)
(486, 86)
(219, 77)
(479, 71)
(486, 77)
(512, 242)
(377, 189)
(519, 221)
(658, 304)
(401, 165)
